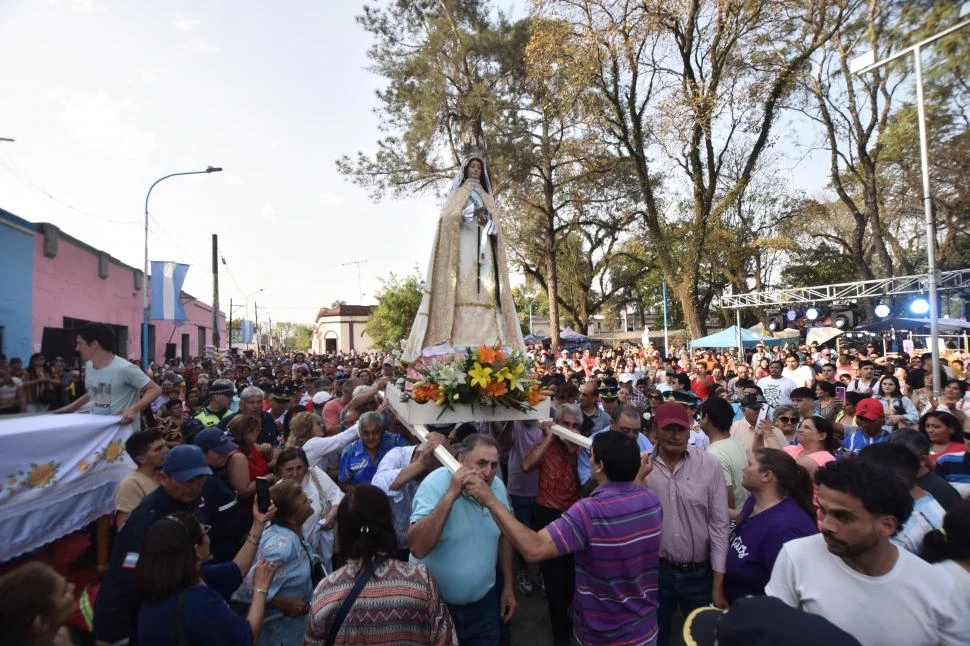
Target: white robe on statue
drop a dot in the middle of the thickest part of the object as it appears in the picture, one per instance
(467, 299)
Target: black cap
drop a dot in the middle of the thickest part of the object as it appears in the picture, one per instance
(761, 621)
(753, 400)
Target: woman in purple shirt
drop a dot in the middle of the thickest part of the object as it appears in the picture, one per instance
(779, 509)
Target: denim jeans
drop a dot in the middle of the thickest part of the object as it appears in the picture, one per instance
(689, 590)
(477, 623)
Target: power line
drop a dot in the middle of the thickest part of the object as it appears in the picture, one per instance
(228, 271)
(16, 173)
(174, 241)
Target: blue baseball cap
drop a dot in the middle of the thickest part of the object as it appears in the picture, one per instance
(215, 439)
(185, 462)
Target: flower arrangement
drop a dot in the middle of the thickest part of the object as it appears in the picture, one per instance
(486, 376)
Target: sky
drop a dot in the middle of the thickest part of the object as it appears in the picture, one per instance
(103, 97)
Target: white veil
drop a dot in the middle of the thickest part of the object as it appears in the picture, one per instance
(486, 181)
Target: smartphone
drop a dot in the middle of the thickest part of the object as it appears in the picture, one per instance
(262, 495)
(840, 393)
(762, 414)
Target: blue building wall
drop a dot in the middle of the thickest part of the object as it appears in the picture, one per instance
(17, 276)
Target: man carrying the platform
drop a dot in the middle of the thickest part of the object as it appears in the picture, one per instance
(594, 419)
(459, 542)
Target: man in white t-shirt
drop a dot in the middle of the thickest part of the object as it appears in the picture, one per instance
(855, 577)
(775, 388)
(867, 382)
(114, 386)
(803, 376)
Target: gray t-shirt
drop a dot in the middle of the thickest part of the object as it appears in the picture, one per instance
(114, 388)
(733, 459)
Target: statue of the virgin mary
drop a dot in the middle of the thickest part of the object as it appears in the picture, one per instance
(467, 300)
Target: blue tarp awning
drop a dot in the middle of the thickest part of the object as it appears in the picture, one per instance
(728, 338)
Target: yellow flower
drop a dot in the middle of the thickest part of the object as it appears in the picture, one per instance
(113, 451)
(480, 375)
(41, 475)
(83, 466)
(513, 375)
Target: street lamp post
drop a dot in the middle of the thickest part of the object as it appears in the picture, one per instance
(144, 286)
(867, 63)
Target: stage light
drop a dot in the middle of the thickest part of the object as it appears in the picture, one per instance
(844, 316)
(791, 315)
(882, 310)
(812, 314)
(919, 306)
(775, 320)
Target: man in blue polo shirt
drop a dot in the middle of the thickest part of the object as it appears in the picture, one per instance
(358, 462)
(870, 416)
(459, 542)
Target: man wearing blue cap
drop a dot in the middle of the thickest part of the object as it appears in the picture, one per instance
(184, 473)
(226, 535)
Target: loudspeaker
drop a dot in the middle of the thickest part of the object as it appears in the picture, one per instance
(169, 351)
(59, 342)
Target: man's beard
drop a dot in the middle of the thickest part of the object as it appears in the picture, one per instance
(844, 550)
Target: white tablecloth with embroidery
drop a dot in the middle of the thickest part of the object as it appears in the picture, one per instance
(58, 474)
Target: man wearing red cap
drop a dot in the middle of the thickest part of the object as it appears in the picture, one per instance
(870, 416)
(694, 537)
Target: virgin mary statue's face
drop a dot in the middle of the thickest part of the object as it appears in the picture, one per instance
(475, 169)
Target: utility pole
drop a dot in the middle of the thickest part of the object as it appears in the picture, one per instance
(215, 293)
(360, 292)
(229, 325)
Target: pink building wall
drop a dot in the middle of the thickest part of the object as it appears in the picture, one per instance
(69, 285)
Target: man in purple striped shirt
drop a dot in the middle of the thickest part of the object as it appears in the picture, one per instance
(614, 536)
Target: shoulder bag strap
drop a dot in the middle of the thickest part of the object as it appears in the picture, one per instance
(324, 503)
(362, 579)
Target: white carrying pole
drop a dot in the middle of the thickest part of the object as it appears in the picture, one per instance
(444, 457)
(421, 432)
(571, 436)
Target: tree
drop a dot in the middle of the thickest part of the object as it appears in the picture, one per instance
(447, 66)
(390, 321)
(338, 303)
(875, 216)
(295, 337)
(686, 83)
(459, 72)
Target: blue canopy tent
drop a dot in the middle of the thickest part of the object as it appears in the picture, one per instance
(728, 338)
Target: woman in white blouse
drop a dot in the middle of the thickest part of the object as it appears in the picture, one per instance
(324, 496)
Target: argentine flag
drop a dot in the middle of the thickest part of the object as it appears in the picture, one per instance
(167, 279)
(246, 331)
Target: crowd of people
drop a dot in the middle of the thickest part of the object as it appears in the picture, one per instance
(276, 500)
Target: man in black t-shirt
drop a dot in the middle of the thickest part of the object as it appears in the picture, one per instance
(916, 374)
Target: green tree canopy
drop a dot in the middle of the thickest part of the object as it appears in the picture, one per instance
(397, 304)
